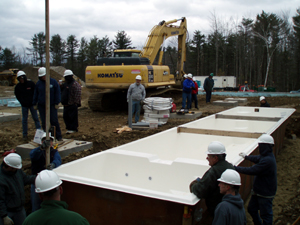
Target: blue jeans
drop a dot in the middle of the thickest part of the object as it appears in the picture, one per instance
(188, 97)
(208, 96)
(136, 108)
(35, 199)
(194, 98)
(25, 119)
(18, 217)
(264, 206)
(53, 119)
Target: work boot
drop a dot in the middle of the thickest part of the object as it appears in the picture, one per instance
(25, 138)
(70, 131)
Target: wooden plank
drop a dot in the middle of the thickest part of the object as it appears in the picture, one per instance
(64, 143)
(258, 118)
(34, 144)
(218, 132)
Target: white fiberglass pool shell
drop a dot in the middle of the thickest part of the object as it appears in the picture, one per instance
(162, 166)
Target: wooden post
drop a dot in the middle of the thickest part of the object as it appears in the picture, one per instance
(47, 89)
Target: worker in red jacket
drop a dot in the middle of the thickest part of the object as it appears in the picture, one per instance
(194, 94)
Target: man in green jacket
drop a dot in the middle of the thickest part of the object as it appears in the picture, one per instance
(12, 195)
(53, 210)
(207, 187)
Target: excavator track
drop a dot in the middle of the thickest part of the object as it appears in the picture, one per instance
(112, 100)
(107, 101)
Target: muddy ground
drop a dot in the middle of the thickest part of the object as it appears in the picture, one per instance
(99, 127)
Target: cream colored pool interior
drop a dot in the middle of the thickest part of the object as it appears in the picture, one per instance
(163, 165)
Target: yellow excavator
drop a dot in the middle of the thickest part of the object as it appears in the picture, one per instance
(8, 77)
(112, 76)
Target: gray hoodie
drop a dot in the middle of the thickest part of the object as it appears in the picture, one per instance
(230, 211)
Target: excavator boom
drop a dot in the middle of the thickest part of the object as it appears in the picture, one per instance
(159, 34)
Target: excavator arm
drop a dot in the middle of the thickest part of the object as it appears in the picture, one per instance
(159, 34)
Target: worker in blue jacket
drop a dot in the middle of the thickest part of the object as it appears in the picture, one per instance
(188, 86)
(39, 101)
(38, 161)
(265, 180)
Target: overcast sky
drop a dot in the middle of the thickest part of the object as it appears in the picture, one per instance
(21, 19)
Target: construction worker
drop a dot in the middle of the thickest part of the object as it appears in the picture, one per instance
(231, 210)
(195, 93)
(265, 180)
(39, 101)
(12, 195)
(188, 85)
(71, 100)
(38, 160)
(138, 93)
(207, 187)
(24, 91)
(263, 102)
(246, 88)
(208, 86)
(53, 210)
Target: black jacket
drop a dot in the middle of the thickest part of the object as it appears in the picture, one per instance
(24, 93)
(264, 170)
(12, 195)
(208, 188)
(208, 84)
(266, 104)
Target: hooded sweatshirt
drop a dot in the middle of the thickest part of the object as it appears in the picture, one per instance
(24, 92)
(230, 211)
(264, 170)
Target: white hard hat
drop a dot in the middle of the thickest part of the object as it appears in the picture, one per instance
(262, 98)
(46, 180)
(215, 148)
(13, 160)
(194, 79)
(230, 176)
(138, 77)
(68, 73)
(42, 71)
(190, 75)
(266, 139)
(185, 75)
(21, 73)
(45, 134)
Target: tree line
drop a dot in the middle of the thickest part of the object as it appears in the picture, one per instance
(262, 51)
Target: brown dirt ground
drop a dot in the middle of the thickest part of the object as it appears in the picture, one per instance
(99, 127)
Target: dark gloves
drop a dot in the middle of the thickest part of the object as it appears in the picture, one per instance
(45, 144)
(192, 184)
(51, 166)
